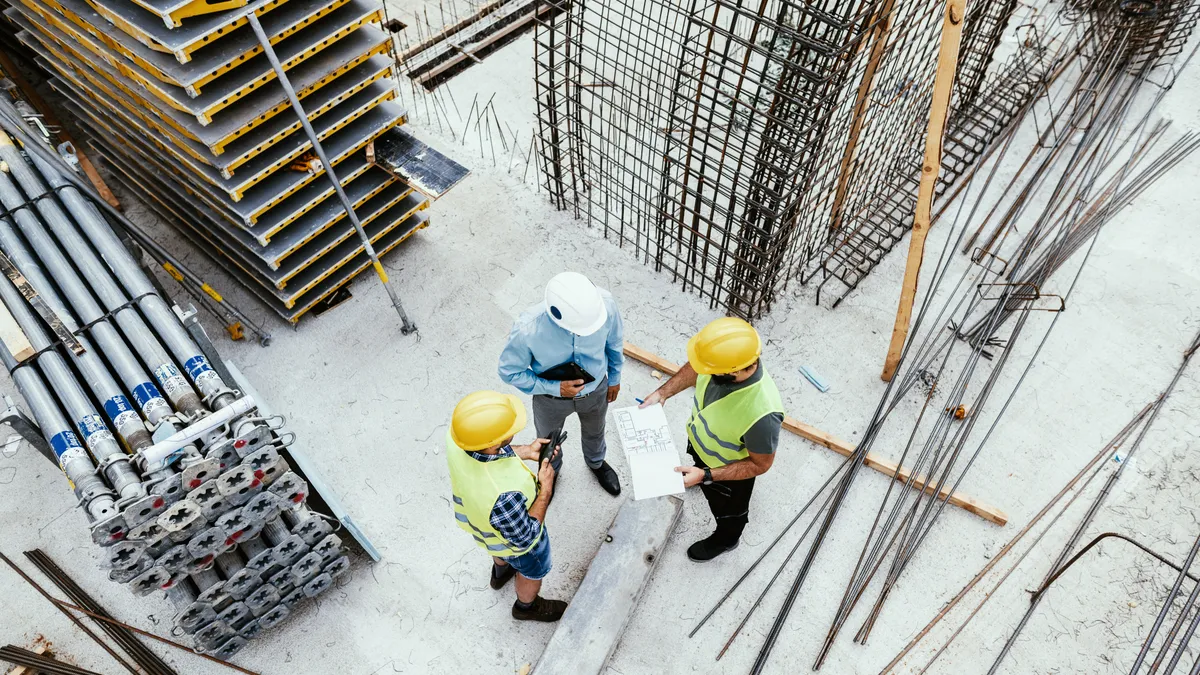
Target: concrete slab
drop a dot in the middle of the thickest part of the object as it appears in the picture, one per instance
(596, 618)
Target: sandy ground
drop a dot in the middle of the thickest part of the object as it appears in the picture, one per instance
(371, 407)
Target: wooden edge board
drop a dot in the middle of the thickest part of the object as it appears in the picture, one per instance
(844, 448)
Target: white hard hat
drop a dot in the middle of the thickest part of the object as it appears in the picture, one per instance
(574, 303)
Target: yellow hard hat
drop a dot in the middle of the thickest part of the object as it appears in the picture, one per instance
(484, 418)
(724, 346)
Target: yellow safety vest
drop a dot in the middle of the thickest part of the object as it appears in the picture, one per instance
(716, 430)
(476, 487)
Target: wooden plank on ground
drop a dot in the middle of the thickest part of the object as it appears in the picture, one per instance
(845, 448)
(13, 337)
(588, 633)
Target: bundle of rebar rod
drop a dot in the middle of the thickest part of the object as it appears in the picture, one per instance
(244, 125)
(180, 478)
(1092, 161)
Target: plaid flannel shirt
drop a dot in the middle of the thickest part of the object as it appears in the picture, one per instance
(509, 515)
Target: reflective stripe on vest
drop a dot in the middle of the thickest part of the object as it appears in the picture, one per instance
(716, 430)
(476, 487)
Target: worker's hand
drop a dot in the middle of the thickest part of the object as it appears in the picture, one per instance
(692, 475)
(654, 397)
(546, 475)
(531, 451)
(613, 390)
(570, 388)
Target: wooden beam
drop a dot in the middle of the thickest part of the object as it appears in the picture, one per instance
(881, 22)
(844, 448)
(939, 110)
(13, 337)
(30, 94)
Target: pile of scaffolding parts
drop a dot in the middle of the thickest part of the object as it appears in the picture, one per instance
(185, 487)
(184, 102)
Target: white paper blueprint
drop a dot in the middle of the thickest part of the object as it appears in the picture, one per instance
(646, 437)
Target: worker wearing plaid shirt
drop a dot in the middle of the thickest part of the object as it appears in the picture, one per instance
(499, 501)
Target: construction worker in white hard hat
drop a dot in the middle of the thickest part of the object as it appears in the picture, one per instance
(734, 427)
(499, 501)
(566, 352)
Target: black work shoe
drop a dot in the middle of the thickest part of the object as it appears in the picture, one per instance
(501, 574)
(607, 478)
(540, 609)
(707, 549)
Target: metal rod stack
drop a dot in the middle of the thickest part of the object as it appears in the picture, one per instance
(180, 476)
(190, 104)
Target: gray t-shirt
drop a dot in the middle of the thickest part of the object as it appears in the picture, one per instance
(763, 437)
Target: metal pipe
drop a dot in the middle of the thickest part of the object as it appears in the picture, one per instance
(99, 281)
(114, 463)
(95, 497)
(126, 269)
(406, 326)
(44, 157)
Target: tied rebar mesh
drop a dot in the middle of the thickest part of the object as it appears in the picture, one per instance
(740, 144)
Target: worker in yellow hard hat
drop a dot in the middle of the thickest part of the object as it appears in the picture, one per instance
(734, 428)
(499, 501)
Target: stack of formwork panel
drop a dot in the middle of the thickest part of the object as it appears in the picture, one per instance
(182, 102)
(182, 478)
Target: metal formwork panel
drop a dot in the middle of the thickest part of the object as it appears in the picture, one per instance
(225, 54)
(251, 150)
(319, 284)
(173, 12)
(234, 87)
(380, 202)
(324, 68)
(273, 159)
(183, 41)
(268, 258)
(407, 157)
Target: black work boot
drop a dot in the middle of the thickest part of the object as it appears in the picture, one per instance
(707, 549)
(607, 477)
(540, 609)
(501, 574)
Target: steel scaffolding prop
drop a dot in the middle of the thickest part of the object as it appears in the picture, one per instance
(192, 493)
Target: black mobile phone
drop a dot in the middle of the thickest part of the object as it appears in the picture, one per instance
(556, 439)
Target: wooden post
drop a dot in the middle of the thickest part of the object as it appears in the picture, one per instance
(882, 20)
(880, 464)
(939, 110)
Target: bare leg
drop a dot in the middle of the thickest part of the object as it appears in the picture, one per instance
(527, 589)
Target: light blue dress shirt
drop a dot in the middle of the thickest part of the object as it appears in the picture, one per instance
(537, 344)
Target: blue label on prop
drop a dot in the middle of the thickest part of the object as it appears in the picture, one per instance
(144, 393)
(197, 366)
(116, 405)
(64, 441)
(91, 424)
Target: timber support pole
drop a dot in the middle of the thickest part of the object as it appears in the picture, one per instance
(939, 111)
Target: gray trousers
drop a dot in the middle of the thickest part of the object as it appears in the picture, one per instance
(549, 414)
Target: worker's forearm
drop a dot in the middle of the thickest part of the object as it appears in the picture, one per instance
(537, 510)
(739, 470)
(683, 379)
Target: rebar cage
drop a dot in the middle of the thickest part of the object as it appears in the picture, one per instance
(740, 144)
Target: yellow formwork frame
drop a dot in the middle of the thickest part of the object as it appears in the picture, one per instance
(184, 55)
(174, 18)
(224, 142)
(155, 87)
(194, 88)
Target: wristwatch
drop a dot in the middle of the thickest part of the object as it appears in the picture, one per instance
(707, 476)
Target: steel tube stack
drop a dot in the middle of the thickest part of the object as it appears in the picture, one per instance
(183, 104)
(187, 489)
